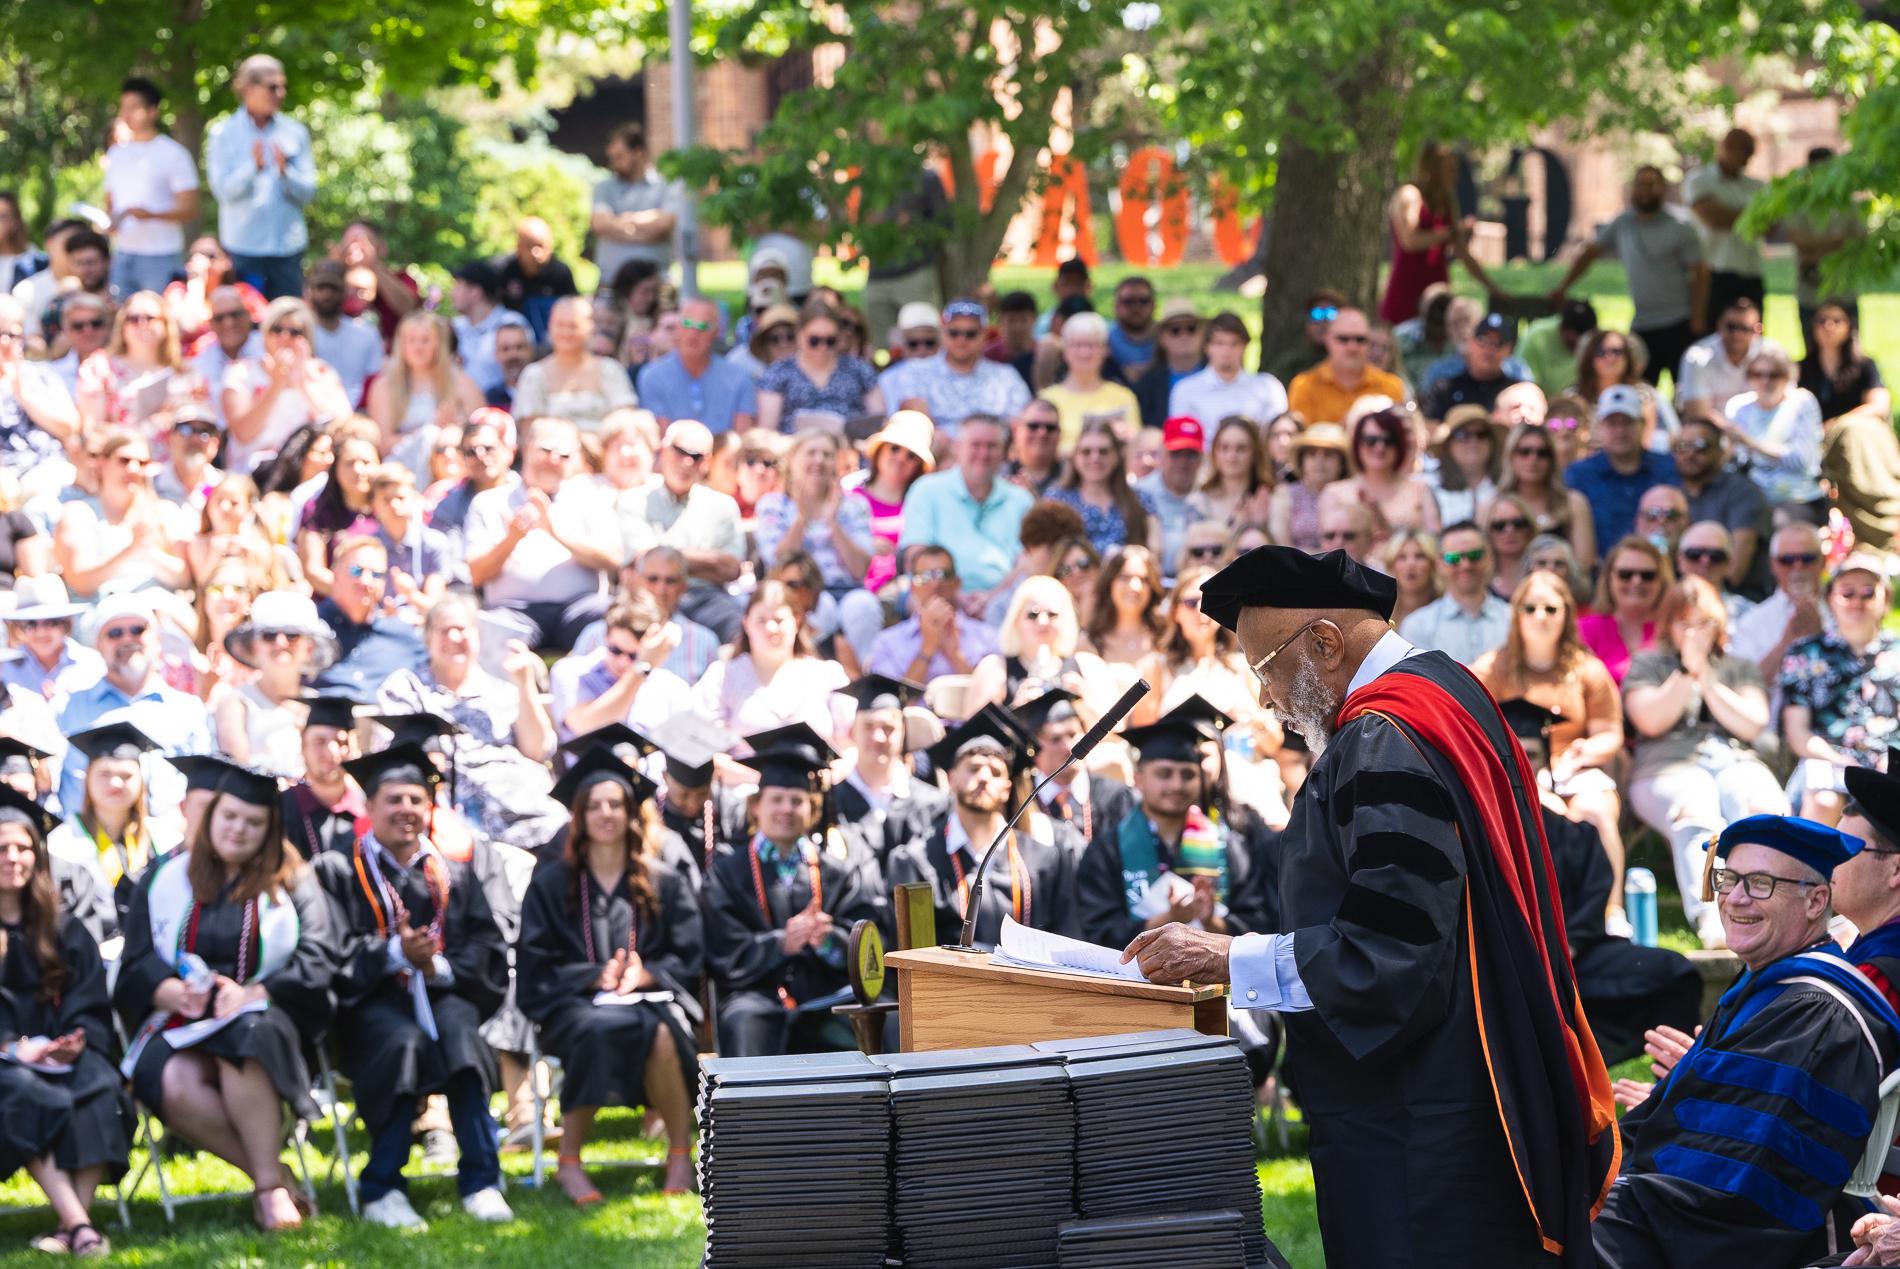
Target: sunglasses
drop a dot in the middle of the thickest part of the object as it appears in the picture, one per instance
(920, 345)
(1377, 440)
(1454, 558)
(925, 576)
(1510, 524)
(1213, 551)
(1610, 350)
(1857, 595)
(962, 332)
(782, 337)
(1039, 614)
(1561, 424)
(1531, 451)
(44, 623)
(1463, 435)
(142, 319)
(479, 451)
(288, 328)
(363, 572)
(1034, 427)
(1705, 555)
(90, 323)
(1340, 535)
(135, 631)
(1136, 301)
(1644, 575)
(1349, 339)
(756, 460)
(1541, 610)
(1181, 330)
(1066, 571)
(191, 428)
(1765, 376)
(1696, 446)
(1803, 559)
(233, 315)
(1322, 313)
(1663, 514)
(284, 636)
(828, 341)
(694, 323)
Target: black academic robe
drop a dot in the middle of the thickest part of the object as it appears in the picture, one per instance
(383, 1049)
(1040, 895)
(1389, 1065)
(728, 825)
(604, 1048)
(313, 826)
(759, 985)
(1739, 1157)
(1101, 894)
(1626, 988)
(1108, 802)
(301, 1005)
(902, 820)
(83, 1117)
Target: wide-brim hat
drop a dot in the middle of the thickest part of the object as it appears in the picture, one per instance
(1461, 415)
(283, 610)
(775, 315)
(909, 430)
(41, 599)
(1327, 436)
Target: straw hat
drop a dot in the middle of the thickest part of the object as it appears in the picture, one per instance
(775, 315)
(1322, 436)
(1460, 416)
(288, 611)
(909, 430)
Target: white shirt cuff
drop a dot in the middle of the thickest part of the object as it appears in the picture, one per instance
(1263, 974)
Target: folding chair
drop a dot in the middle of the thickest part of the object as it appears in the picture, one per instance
(1880, 1143)
(340, 1120)
(538, 1137)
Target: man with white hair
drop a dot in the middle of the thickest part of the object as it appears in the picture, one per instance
(263, 175)
(702, 523)
(234, 338)
(691, 383)
(124, 630)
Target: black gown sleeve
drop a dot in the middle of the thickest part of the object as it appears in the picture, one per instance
(84, 1004)
(551, 968)
(473, 944)
(360, 955)
(678, 955)
(1381, 972)
(302, 987)
(743, 951)
(1101, 901)
(141, 967)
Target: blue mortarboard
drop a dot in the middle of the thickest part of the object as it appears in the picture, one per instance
(1816, 845)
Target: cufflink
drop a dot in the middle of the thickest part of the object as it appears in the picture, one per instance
(1252, 995)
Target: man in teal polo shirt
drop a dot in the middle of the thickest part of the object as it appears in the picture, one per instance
(968, 510)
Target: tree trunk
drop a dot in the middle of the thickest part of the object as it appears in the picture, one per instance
(1329, 211)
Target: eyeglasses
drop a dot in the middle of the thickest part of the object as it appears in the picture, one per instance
(1610, 350)
(1339, 535)
(1066, 571)
(1531, 451)
(687, 454)
(1454, 558)
(1464, 435)
(925, 576)
(43, 623)
(825, 341)
(661, 579)
(1541, 610)
(1039, 614)
(694, 323)
(1259, 667)
(1663, 514)
(1349, 340)
(1705, 555)
(134, 631)
(479, 451)
(1644, 575)
(1694, 445)
(288, 328)
(1510, 524)
(1760, 885)
(225, 590)
(926, 344)
(1210, 551)
(554, 452)
(1800, 559)
(363, 572)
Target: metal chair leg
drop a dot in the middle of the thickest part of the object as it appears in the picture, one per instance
(339, 1121)
(158, 1169)
(538, 1133)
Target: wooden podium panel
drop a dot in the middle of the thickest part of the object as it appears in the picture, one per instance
(959, 1000)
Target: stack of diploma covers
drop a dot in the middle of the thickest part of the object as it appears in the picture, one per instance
(1211, 1240)
(794, 1162)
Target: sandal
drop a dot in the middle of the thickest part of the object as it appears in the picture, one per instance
(58, 1243)
(87, 1243)
(587, 1198)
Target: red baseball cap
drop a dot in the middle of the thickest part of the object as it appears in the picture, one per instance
(1183, 432)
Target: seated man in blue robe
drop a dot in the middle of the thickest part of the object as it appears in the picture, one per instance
(1741, 1156)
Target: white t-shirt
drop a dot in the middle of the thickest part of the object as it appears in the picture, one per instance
(149, 174)
(1727, 251)
(540, 568)
(1207, 397)
(1708, 375)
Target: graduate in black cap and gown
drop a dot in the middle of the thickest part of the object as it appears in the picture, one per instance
(421, 964)
(1078, 798)
(780, 905)
(69, 1128)
(881, 796)
(701, 814)
(225, 984)
(607, 930)
(81, 895)
(985, 763)
(109, 833)
(321, 809)
(1182, 851)
(1460, 1112)
(1741, 1156)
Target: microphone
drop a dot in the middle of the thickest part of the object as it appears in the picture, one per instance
(966, 939)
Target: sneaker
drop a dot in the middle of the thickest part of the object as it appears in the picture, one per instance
(439, 1150)
(488, 1205)
(392, 1211)
(1709, 929)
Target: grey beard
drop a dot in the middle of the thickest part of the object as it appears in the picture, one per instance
(1310, 707)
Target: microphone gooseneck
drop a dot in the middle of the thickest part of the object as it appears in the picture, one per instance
(966, 939)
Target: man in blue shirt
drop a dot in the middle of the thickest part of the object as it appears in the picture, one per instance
(370, 647)
(691, 383)
(1614, 478)
(263, 176)
(967, 509)
(125, 632)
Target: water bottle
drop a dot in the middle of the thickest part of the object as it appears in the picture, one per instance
(1639, 904)
(1239, 743)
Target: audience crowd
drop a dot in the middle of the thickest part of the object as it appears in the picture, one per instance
(372, 666)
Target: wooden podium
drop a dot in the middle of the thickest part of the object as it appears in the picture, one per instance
(959, 1000)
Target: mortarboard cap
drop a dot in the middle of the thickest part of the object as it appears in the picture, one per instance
(1526, 719)
(991, 729)
(687, 772)
(206, 772)
(1177, 736)
(16, 807)
(16, 755)
(1284, 577)
(414, 729)
(597, 764)
(331, 711)
(610, 738)
(1877, 795)
(113, 740)
(790, 757)
(1816, 845)
(406, 763)
(1053, 706)
(881, 691)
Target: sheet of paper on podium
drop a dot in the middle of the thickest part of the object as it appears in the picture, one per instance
(1029, 948)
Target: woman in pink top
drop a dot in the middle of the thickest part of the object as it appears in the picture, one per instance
(772, 679)
(1630, 589)
(899, 455)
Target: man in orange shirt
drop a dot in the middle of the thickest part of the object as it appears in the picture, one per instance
(1326, 392)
